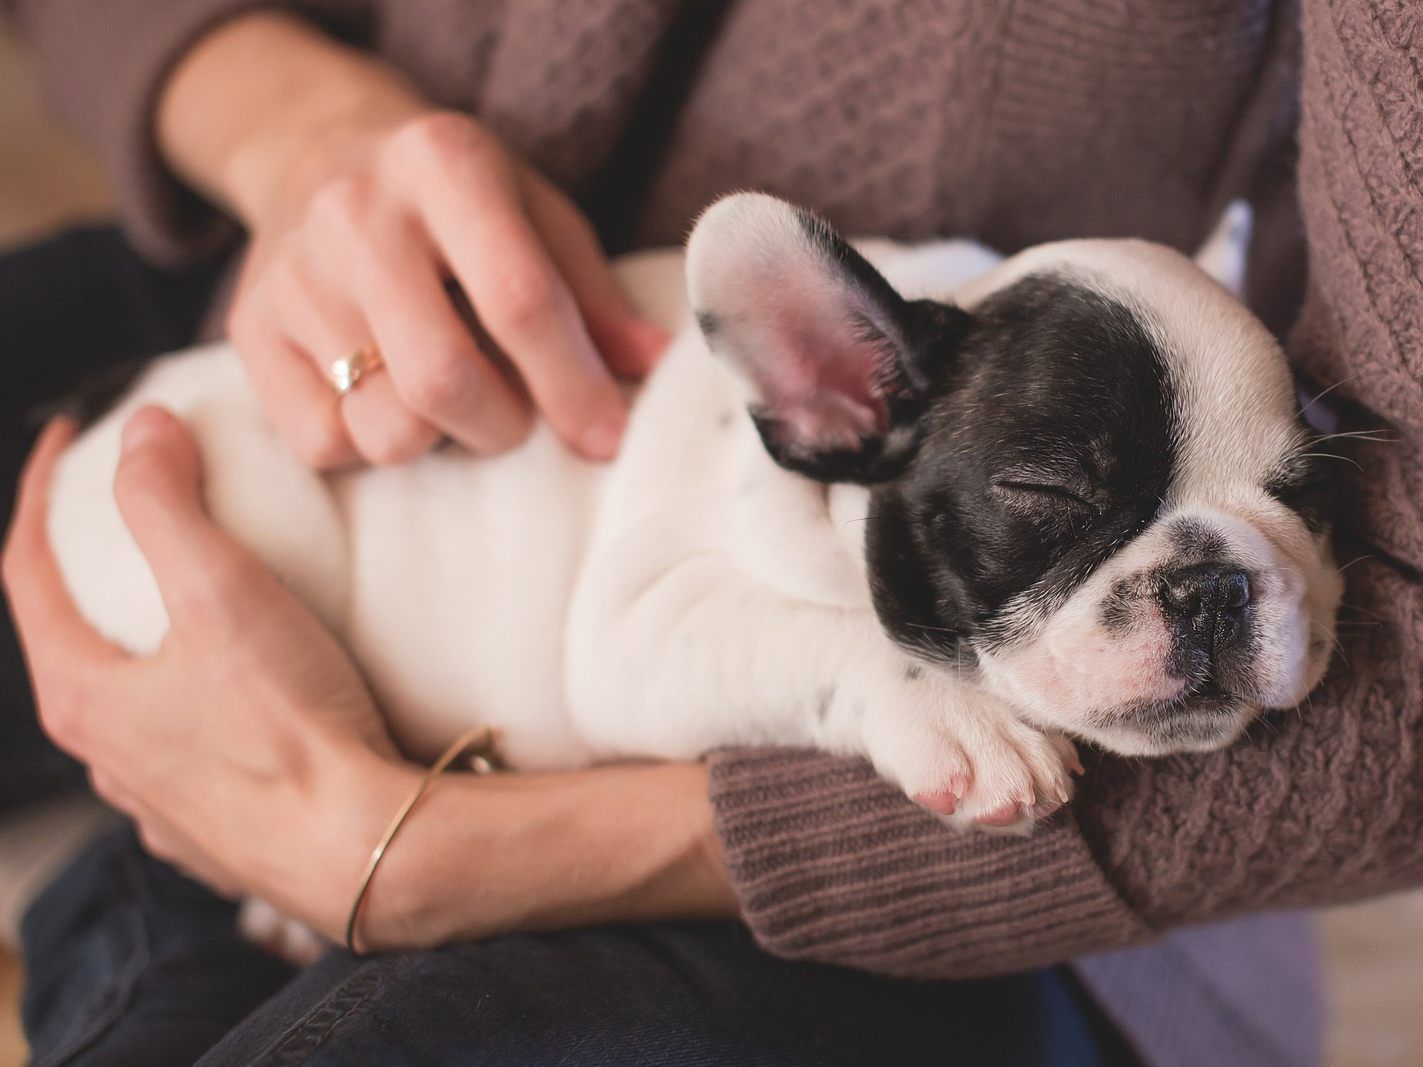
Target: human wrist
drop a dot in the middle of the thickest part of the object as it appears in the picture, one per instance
(358, 793)
(547, 851)
(259, 146)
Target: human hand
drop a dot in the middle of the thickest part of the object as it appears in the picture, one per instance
(363, 201)
(247, 748)
(249, 752)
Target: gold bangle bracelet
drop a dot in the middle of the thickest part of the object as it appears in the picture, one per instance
(480, 743)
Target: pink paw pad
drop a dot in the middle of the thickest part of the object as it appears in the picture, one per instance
(944, 801)
(1007, 815)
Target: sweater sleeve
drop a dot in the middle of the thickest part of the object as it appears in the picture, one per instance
(103, 66)
(1311, 808)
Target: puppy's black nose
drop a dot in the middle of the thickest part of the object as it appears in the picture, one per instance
(1209, 601)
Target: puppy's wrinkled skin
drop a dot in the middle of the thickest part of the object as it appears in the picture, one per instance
(926, 505)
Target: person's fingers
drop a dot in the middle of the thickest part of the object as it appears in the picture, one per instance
(327, 327)
(385, 430)
(435, 363)
(164, 841)
(629, 344)
(294, 393)
(300, 402)
(111, 791)
(475, 215)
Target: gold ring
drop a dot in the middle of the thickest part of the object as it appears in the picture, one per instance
(346, 373)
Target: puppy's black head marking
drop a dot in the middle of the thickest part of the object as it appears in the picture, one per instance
(1049, 444)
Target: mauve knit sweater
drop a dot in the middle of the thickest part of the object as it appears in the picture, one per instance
(1013, 122)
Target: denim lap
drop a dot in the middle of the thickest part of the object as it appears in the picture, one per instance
(130, 963)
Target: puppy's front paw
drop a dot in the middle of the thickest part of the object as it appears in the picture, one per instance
(979, 768)
(1020, 775)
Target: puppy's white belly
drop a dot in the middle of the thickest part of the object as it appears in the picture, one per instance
(449, 578)
(462, 573)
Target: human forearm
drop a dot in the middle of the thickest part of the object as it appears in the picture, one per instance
(543, 851)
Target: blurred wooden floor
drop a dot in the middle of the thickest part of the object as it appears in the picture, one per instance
(12, 1042)
(1375, 950)
(45, 177)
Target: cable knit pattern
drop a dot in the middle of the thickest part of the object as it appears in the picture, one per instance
(1015, 122)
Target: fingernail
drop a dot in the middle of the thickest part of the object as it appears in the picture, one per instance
(650, 335)
(141, 429)
(602, 441)
(655, 341)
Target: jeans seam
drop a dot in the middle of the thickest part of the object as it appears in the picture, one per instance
(307, 1034)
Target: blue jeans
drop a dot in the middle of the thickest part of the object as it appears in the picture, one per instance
(131, 964)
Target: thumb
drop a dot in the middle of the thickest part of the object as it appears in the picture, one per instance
(158, 489)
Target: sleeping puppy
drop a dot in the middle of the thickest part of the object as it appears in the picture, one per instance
(925, 505)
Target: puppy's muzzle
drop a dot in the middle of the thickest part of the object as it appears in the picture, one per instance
(1209, 607)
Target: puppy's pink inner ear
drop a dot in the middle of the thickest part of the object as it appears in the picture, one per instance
(815, 358)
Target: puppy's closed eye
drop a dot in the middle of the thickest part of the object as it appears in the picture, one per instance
(1038, 497)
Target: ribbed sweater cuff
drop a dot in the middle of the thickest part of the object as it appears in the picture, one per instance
(831, 863)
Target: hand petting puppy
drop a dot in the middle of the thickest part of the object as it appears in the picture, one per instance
(363, 202)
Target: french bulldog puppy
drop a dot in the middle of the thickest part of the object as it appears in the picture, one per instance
(926, 505)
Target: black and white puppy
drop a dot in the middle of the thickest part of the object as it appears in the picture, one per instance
(979, 506)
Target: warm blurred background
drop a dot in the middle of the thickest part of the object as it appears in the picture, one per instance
(1375, 951)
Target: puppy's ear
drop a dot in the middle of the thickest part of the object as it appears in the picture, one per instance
(838, 366)
(1226, 252)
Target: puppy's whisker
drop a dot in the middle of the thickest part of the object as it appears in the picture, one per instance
(937, 629)
(1378, 436)
(1330, 455)
(1322, 631)
(1321, 395)
(1339, 648)
(1356, 559)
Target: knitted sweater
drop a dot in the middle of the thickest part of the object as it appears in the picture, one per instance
(1013, 122)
